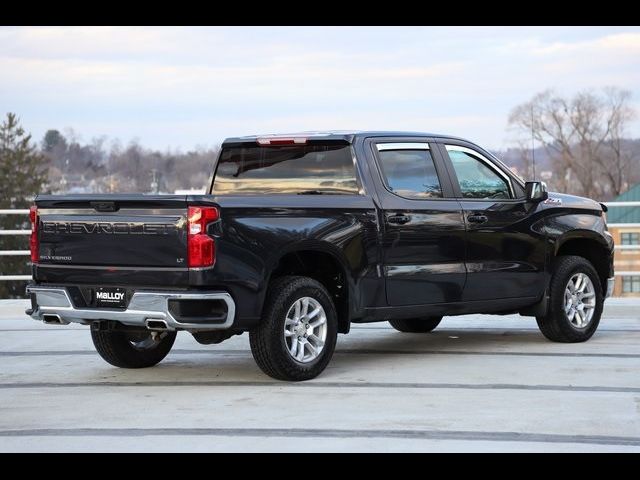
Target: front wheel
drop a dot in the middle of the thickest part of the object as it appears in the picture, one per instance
(416, 325)
(132, 349)
(297, 334)
(575, 301)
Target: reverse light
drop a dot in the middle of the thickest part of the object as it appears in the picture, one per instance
(201, 248)
(33, 240)
(275, 141)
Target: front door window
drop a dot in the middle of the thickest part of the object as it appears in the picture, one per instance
(476, 178)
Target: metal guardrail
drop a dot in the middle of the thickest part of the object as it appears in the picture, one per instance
(14, 211)
(8, 278)
(17, 211)
(15, 232)
(622, 204)
(6, 253)
(623, 225)
(25, 211)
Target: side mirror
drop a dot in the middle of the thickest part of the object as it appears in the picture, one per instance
(536, 191)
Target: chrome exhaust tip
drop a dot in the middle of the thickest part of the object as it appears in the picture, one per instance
(156, 325)
(53, 319)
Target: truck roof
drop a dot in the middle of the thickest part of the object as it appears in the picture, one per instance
(344, 135)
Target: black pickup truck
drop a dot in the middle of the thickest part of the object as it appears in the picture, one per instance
(301, 235)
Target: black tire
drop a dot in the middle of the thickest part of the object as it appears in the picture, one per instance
(416, 325)
(130, 349)
(555, 325)
(267, 340)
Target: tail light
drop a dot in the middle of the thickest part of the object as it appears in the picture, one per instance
(201, 248)
(33, 241)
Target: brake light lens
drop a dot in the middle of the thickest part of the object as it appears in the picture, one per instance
(275, 141)
(201, 248)
(33, 240)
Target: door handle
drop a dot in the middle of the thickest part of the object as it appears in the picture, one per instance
(477, 218)
(399, 218)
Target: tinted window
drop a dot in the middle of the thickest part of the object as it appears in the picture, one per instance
(632, 238)
(476, 179)
(630, 284)
(286, 169)
(410, 173)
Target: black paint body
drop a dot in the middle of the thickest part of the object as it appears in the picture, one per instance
(437, 262)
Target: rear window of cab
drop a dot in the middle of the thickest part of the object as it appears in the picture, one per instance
(286, 169)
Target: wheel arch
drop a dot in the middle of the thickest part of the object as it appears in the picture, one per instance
(589, 245)
(323, 262)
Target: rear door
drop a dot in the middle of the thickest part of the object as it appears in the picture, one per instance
(505, 247)
(422, 231)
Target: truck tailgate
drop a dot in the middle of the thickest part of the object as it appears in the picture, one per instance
(113, 231)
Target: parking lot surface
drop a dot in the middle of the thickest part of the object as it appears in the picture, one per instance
(478, 383)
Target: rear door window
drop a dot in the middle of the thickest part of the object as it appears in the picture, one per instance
(291, 169)
(408, 170)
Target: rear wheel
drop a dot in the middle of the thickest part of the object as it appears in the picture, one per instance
(297, 334)
(133, 349)
(416, 325)
(575, 301)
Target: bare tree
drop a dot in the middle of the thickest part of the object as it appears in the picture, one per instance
(584, 136)
(617, 164)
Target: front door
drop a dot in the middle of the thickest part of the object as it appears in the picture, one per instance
(422, 231)
(505, 249)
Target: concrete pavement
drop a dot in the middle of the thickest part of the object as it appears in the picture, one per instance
(478, 383)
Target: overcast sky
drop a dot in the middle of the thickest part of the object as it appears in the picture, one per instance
(187, 87)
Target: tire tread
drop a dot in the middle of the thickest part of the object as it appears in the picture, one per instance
(265, 338)
(115, 349)
(554, 325)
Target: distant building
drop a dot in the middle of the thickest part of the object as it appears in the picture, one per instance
(624, 225)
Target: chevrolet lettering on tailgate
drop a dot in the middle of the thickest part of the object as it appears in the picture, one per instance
(109, 228)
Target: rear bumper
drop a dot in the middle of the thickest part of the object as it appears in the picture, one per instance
(146, 309)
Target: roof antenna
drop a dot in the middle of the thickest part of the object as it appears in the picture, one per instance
(533, 150)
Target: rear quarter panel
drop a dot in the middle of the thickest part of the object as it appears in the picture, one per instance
(257, 231)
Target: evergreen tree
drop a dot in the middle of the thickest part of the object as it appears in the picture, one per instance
(53, 139)
(22, 175)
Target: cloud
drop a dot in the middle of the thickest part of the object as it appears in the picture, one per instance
(154, 82)
(184, 86)
(621, 44)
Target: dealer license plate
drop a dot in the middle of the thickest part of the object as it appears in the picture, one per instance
(111, 297)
